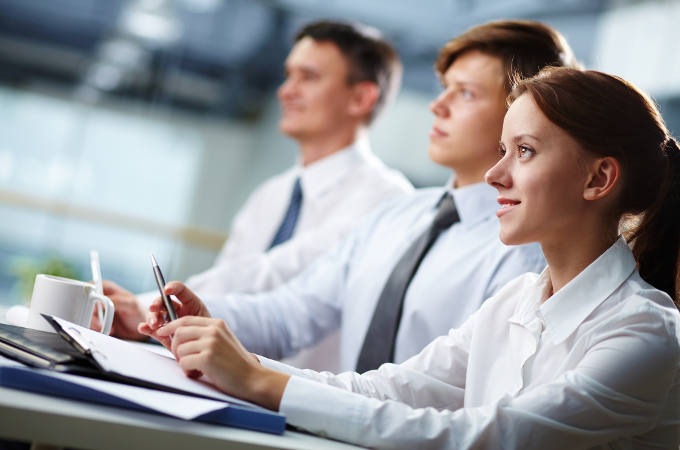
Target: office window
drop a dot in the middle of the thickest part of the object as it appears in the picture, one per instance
(74, 177)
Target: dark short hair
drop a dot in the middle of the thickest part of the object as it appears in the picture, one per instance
(524, 46)
(369, 56)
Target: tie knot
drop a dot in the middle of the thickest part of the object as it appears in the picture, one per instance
(447, 214)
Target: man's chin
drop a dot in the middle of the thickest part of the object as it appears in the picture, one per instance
(289, 129)
(440, 156)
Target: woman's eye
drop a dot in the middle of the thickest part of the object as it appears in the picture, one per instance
(501, 150)
(525, 152)
(467, 95)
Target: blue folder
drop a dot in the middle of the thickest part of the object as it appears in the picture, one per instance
(39, 381)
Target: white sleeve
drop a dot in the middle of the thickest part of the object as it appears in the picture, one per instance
(295, 315)
(240, 269)
(263, 271)
(623, 387)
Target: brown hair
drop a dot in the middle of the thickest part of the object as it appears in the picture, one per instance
(524, 46)
(370, 57)
(610, 117)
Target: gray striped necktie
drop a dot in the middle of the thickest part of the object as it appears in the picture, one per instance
(378, 347)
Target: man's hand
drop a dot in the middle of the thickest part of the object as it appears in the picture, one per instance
(128, 313)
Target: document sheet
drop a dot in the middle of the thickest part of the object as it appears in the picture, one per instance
(129, 360)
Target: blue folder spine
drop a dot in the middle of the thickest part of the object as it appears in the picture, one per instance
(239, 416)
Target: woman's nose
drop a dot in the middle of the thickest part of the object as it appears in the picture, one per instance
(499, 176)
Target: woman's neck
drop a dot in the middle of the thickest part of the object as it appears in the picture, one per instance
(573, 252)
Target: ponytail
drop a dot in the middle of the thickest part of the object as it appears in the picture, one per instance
(656, 240)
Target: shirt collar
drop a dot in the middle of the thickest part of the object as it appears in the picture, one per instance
(474, 202)
(565, 310)
(323, 174)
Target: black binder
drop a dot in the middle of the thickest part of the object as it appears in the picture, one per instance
(43, 350)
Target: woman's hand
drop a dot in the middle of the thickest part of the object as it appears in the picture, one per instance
(190, 305)
(206, 346)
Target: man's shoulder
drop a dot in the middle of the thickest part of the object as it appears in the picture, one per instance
(398, 213)
(281, 180)
(374, 172)
(524, 257)
(415, 202)
(271, 191)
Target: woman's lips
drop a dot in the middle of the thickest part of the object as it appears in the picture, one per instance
(507, 205)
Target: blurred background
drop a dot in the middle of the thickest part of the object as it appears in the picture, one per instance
(138, 126)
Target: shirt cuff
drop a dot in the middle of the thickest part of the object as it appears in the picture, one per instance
(324, 410)
(280, 367)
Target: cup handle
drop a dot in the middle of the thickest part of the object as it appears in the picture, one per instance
(108, 311)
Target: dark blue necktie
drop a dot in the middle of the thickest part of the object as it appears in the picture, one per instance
(289, 221)
(378, 347)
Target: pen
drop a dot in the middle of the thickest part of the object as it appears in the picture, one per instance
(97, 278)
(161, 284)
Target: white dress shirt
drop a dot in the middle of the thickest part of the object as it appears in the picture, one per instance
(595, 366)
(466, 265)
(337, 191)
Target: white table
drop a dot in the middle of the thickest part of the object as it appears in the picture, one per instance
(27, 416)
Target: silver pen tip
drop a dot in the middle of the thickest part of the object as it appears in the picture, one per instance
(153, 260)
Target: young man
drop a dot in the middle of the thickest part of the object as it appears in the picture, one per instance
(422, 263)
(338, 79)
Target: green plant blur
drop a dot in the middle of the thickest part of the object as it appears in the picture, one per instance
(26, 269)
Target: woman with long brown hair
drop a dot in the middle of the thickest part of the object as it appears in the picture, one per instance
(584, 355)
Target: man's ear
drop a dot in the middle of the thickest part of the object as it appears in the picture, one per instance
(364, 97)
(603, 178)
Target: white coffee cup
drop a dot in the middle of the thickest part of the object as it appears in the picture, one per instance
(68, 299)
